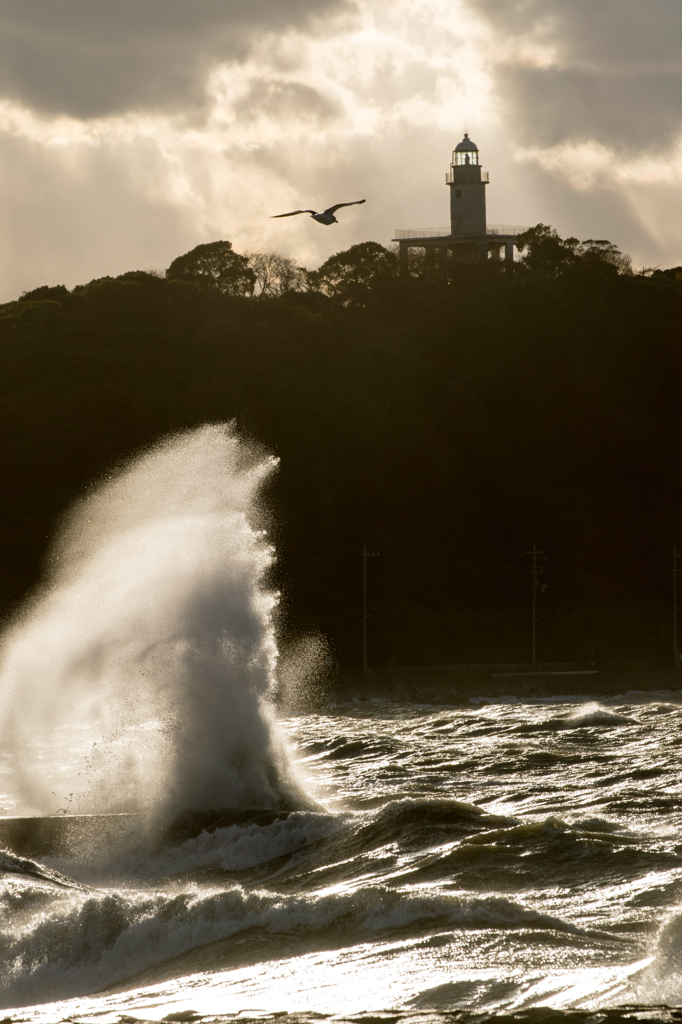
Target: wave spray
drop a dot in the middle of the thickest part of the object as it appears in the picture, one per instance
(140, 678)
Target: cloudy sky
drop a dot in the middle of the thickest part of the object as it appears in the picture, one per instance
(133, 130)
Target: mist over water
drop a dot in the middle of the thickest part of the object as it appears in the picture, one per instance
(140, 677)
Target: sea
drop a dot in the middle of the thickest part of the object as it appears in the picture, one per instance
(284, 852)
(501, 858)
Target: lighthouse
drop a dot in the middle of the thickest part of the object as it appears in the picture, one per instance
(468, 236)
(467, 184)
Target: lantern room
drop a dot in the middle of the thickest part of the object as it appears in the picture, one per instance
(465, 153)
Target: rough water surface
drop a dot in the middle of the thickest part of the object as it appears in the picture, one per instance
(488, 858)
(396, 860)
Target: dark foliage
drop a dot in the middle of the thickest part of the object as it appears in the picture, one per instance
(215, 265)
(447, 421)
(355, 273)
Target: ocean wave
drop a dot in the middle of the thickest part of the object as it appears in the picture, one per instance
(592, 715)
(422, 822)
(342, 748)
(96, 940)
(23, 867)
(536, 854)
(240, 847)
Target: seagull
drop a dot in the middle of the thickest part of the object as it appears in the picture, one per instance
(326, 217)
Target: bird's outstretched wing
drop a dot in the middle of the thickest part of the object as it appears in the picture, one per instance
(333, 209)
(292, 214)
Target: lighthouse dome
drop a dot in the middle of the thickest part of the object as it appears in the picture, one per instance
(466, 145)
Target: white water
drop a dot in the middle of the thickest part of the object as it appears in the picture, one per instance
(140, 677)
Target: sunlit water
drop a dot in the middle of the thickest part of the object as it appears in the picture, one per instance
(492, 856)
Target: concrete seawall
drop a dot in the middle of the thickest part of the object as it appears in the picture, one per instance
(71, 835)
(89, 836)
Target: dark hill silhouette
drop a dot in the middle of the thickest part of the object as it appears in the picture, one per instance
(449, 421)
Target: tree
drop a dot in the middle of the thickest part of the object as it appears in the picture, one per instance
(552, 255)
(354, 271)
(215, 265)
(546, 252)
(602, 252)
(54, 293)
(275, 273)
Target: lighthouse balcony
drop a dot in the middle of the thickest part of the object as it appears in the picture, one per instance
(506, 229)
(491, 229)
(470, 174)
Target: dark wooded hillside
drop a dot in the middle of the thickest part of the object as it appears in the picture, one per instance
(447, 420)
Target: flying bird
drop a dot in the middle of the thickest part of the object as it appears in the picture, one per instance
(326, 217)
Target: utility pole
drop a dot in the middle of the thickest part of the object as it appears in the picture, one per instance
(536, 572)
(365, 555)
(676, 572)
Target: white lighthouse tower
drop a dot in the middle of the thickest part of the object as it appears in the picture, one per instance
(468, 236)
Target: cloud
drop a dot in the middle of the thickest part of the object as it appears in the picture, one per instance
(72, 213)
(282, 100)
(613, 106)
(575, 69)
(93, 58)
